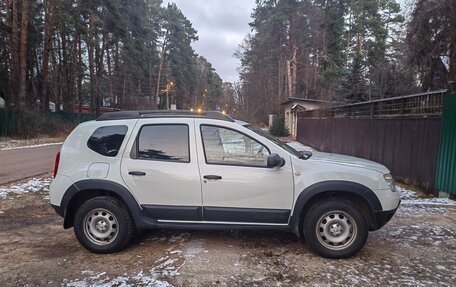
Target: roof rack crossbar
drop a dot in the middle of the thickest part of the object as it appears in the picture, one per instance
(123, 115)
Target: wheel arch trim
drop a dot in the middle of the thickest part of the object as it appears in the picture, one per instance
(319, 188)
(87, 185)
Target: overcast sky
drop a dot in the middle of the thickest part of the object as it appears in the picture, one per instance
(221, 25)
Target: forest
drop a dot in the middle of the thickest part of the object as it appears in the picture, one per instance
(138, 54)
(345, 51)
(124, 54)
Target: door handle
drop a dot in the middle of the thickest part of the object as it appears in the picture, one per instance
(212, 177)
(137, 173)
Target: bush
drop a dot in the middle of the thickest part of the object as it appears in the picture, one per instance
(278, 127)
(19, 124)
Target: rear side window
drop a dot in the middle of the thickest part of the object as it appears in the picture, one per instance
(164, 142)
(107, 140)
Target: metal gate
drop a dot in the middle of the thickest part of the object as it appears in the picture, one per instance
(446, 167)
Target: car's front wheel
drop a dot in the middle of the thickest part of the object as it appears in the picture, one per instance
(103, 225)
(335, 229)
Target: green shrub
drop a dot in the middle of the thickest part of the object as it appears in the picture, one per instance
(19, 124)
(278, 127)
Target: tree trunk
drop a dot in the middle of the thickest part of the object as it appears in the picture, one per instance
(74, 70)
(117, 67)
(80, 74)
(111, 89)
(22, 92)
(153, 100)
(294, 70)
(452, 65)
(99, 56)
(289, 81)
(90, 49)
(61, 77)
(15, 36)
(48, 24)
(9, 20)
(160, 67)
(65, 73)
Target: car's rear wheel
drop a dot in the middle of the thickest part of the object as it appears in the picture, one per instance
(335, 229)
(103, 225)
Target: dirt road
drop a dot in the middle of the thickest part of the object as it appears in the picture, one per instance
(16, 164)
(417, 248)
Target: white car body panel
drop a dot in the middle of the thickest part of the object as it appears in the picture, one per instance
(76, 158)
(312, 171)
(58, 187)
(243, 186)
(165, 182)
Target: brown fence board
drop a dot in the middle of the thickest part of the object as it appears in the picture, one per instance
(408, 147)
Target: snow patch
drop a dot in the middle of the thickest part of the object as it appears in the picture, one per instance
(33, 185)
(95, 279)
(194, 249)
(299, 146)
(31, 146)
(410, 198)
(180, 238)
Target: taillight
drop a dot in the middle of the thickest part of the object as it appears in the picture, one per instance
(56, 165)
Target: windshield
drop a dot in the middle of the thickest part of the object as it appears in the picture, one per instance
(274, 140)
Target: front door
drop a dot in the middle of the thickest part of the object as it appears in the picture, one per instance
(160, 167)
(238, 187)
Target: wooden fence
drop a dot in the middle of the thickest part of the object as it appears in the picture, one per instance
(402, 133)
(408, 147)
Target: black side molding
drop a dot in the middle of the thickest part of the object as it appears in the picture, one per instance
(174, 212)
(253, 215)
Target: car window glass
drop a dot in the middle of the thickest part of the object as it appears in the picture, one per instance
(226, 146)
(107, 140)
(164, 142)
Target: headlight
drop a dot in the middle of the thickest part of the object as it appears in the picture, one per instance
(389, 179)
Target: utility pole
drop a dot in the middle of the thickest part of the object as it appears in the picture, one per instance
(204, 99)
(167, 96)
(168, 86)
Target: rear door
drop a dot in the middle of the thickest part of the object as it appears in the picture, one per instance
(160, 167)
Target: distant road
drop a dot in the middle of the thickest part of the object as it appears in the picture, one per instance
(16, 164)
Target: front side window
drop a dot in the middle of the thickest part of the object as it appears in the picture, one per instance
(275, 140)
(229, 147)
(107, 140)
(164, 142)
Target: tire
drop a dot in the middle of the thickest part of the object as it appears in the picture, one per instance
(103, 225)
(335, 229)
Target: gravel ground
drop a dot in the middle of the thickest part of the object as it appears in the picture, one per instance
(417, 248)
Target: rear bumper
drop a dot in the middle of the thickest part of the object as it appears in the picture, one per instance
(58, 210)
(382, 217)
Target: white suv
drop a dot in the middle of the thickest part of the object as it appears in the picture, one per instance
(134, 170)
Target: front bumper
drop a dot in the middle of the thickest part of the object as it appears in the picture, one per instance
(382, 217)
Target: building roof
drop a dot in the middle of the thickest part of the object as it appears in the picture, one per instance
(300, 100)
(297, 106)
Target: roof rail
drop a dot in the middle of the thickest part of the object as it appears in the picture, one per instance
(124, 115)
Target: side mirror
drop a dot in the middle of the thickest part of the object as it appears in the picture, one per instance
(274, 160)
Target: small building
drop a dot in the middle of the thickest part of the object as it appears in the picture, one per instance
(293, 106)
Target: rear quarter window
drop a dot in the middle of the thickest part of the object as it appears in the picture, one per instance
(107, 140)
